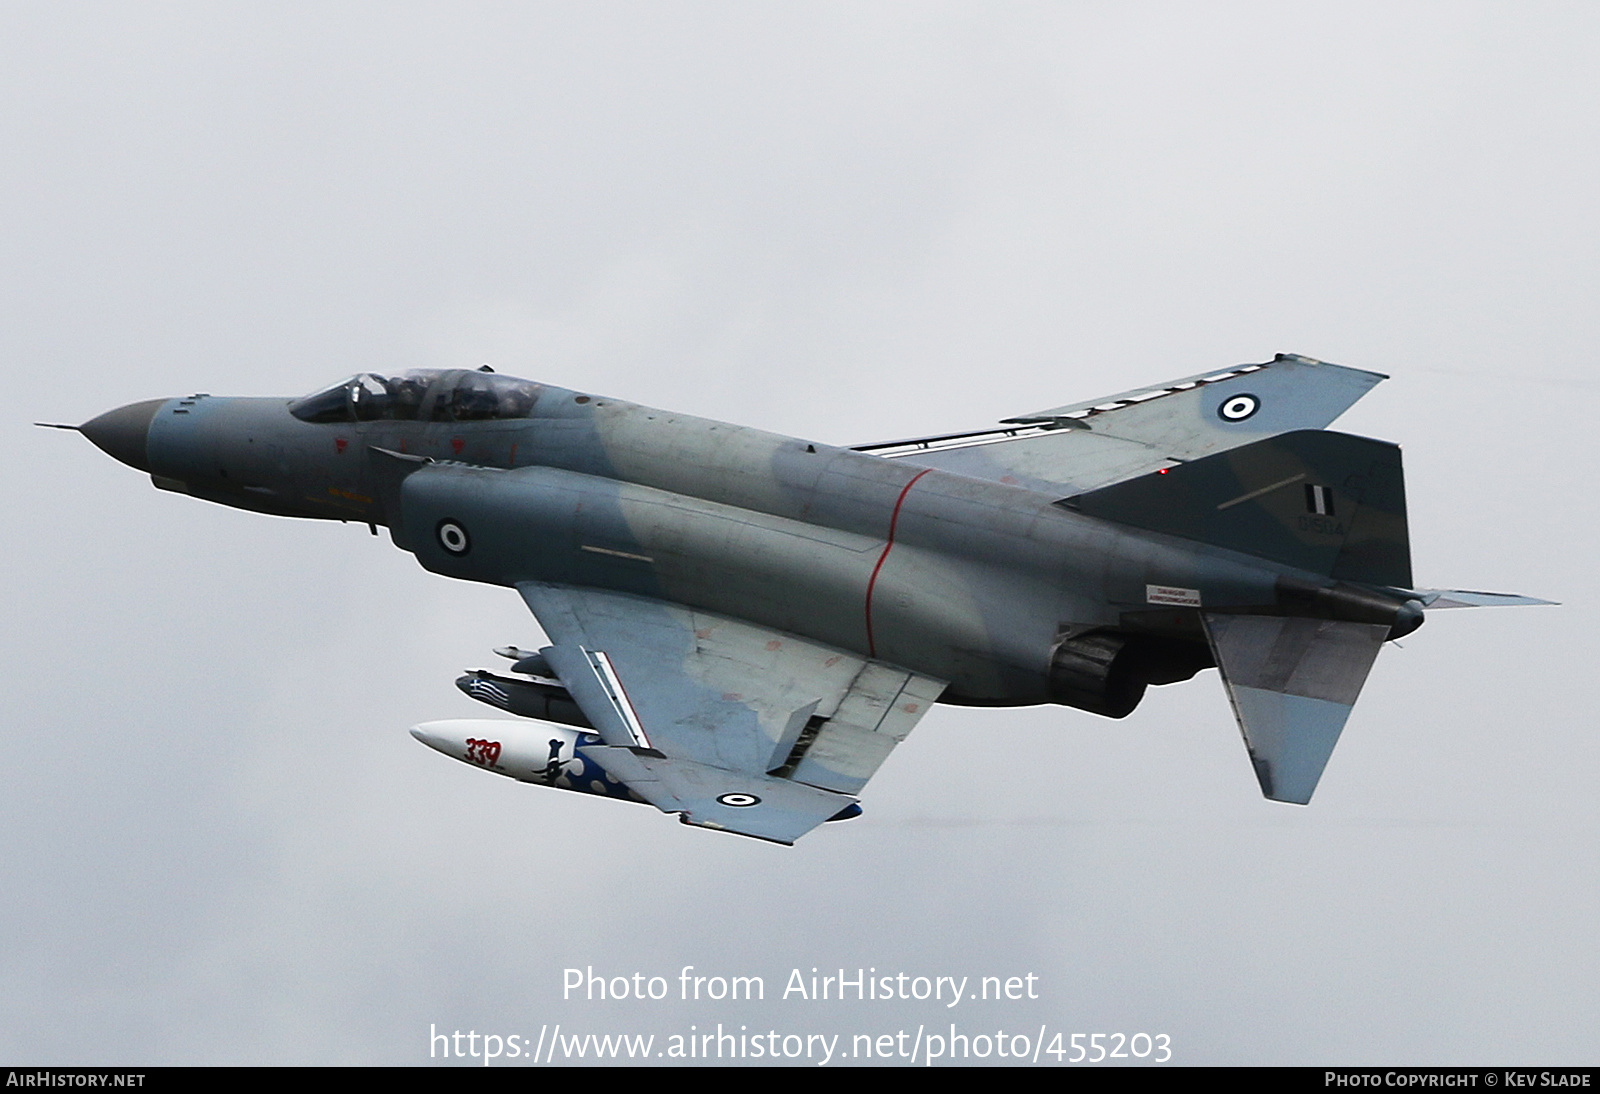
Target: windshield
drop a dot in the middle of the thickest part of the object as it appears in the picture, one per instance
(420, 395)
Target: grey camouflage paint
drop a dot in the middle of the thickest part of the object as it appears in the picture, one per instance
(1073, 555)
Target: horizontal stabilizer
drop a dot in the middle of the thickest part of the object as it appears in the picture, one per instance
(1465, 598)
(1292, 682)
(1325, 502)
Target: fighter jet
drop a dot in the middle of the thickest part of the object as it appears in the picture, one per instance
(742, 626)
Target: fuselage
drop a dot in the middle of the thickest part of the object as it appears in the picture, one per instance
(970, 581)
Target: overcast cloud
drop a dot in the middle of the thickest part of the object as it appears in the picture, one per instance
(847, 222)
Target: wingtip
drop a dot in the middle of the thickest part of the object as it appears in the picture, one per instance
(1302, 359)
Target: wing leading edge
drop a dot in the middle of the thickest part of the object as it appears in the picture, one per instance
(728, 724)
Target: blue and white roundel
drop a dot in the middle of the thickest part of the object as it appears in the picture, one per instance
(453, 537)
(1238, 407)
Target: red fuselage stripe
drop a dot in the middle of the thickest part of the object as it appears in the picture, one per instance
(894, 519)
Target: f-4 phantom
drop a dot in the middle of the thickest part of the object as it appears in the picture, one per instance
(742, 626)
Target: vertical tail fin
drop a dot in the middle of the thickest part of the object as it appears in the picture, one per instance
(1325, 502)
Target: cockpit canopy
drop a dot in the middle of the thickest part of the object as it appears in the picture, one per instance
(421, 395)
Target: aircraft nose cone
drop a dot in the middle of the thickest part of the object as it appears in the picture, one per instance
(122, 433)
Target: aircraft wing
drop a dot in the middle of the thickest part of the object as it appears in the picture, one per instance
(1084, 446)
(731, 725)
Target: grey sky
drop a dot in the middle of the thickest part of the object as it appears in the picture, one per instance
(842, 221)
